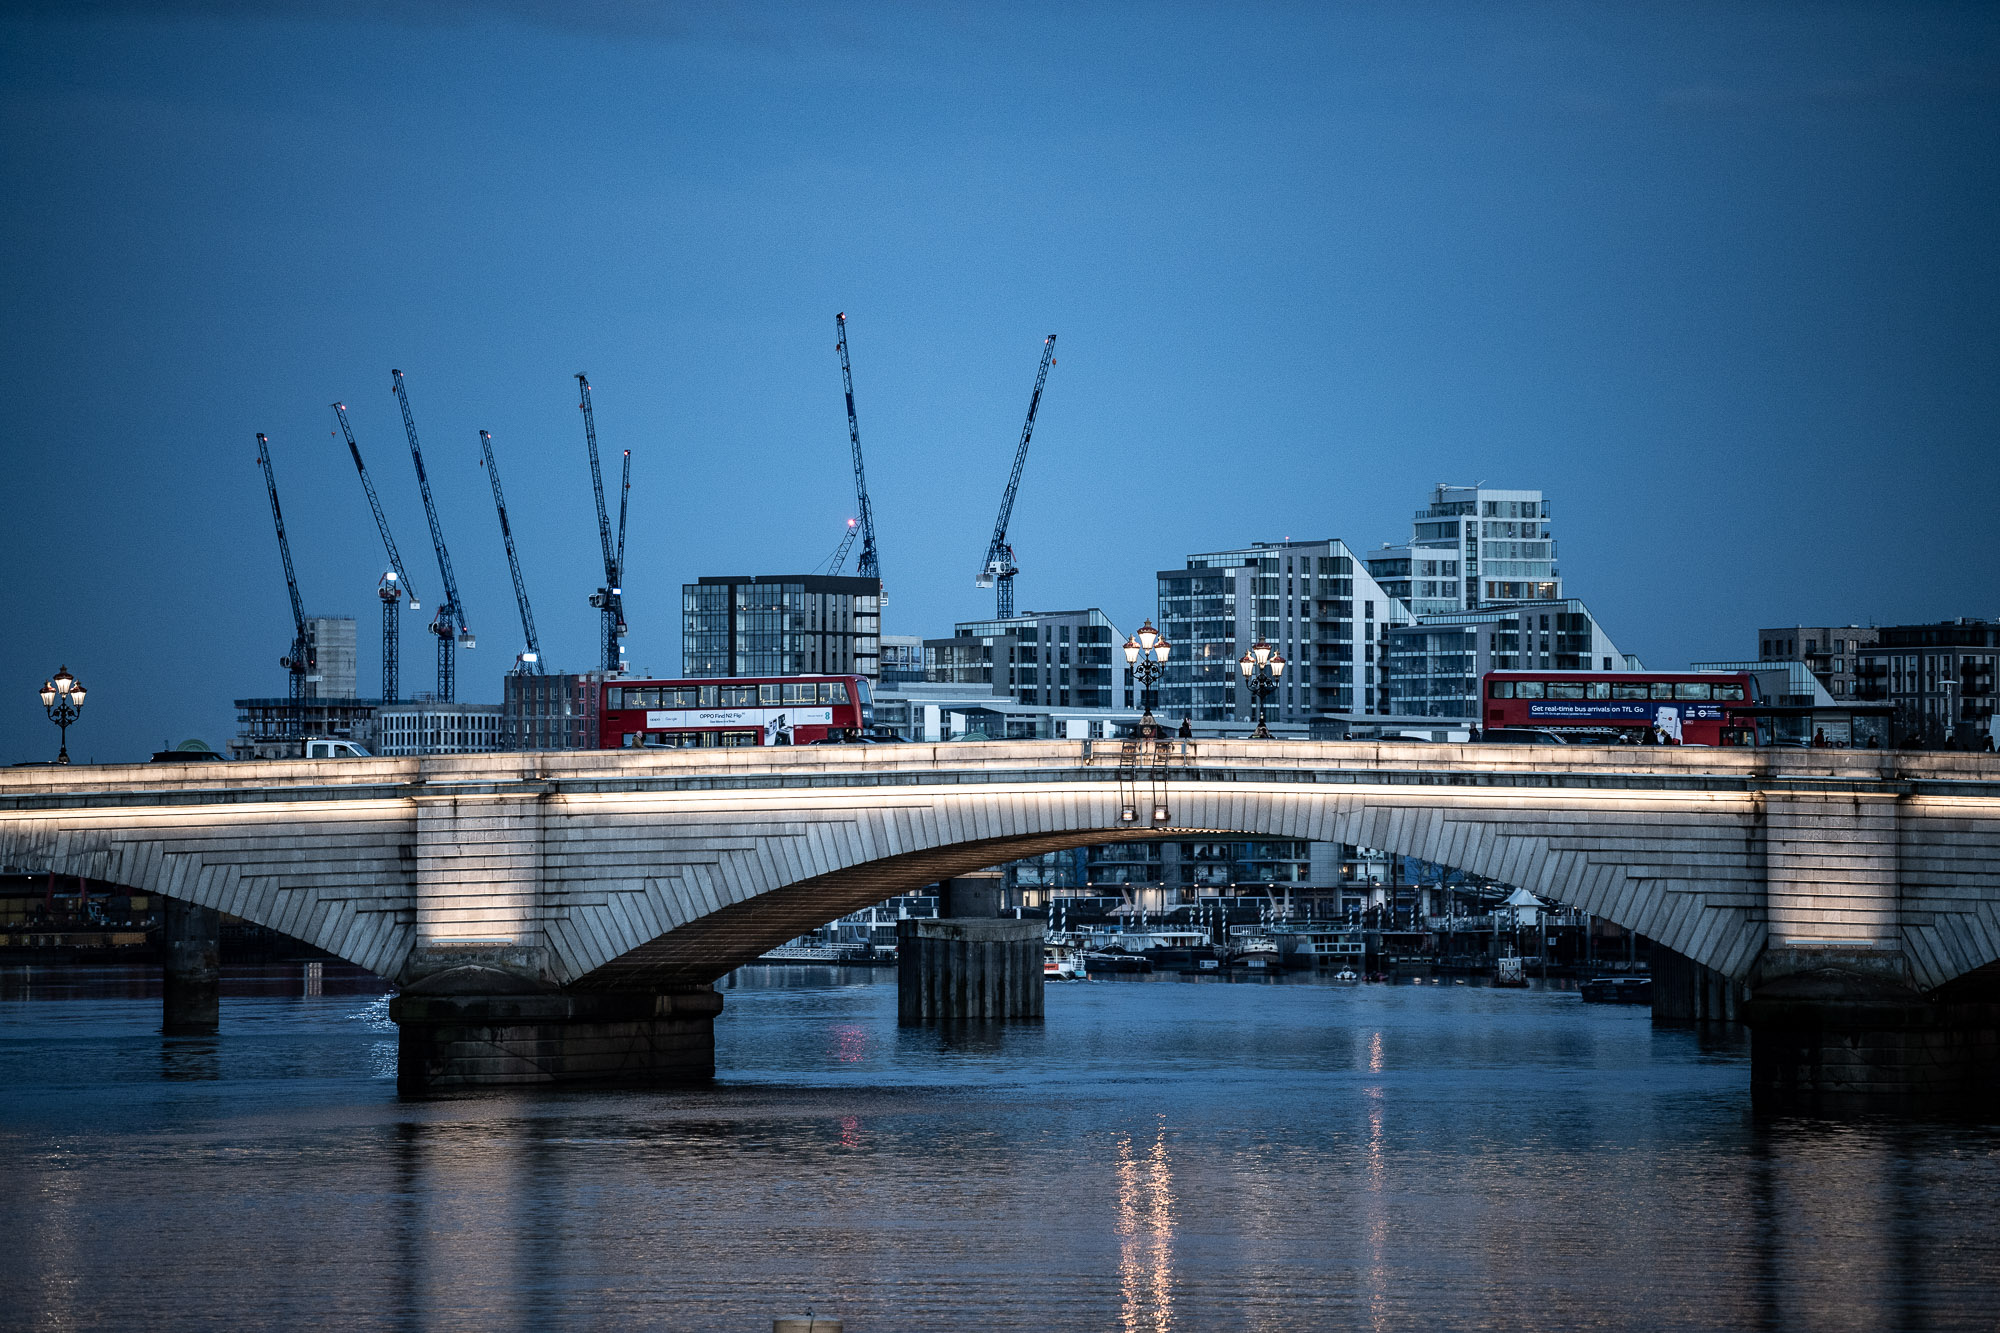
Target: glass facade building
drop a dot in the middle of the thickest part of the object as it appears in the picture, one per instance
(1059, 659)
(1472, 546)
(1433, 667)
(781, 625)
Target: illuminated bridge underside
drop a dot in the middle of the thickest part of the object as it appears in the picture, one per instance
(623, 869)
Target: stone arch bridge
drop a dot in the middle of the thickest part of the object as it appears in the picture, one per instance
(619, 884)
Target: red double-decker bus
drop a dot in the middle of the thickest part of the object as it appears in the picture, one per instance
(1678, 707)
(738, 710)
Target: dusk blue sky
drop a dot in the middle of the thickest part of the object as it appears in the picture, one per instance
(1720, 279)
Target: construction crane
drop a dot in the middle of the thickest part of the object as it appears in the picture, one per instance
(528, 663)
(395, 584)
(868, 566)
(610, 598)
(999, 569)
(833, 563)
(301, 661)
(449, 622)
(624, 496)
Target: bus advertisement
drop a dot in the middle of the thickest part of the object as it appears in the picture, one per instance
(1675, 708)
(735, 711)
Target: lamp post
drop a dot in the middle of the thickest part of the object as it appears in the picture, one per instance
(1146, 653)
(63, 697)
(1261, 667)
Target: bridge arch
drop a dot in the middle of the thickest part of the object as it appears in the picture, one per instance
(345, 886)
(1682, 870)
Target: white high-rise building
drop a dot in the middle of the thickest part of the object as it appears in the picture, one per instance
(1472, 547)
(1307, 599)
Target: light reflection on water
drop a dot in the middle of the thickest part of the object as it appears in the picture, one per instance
(1146, 1231)
(1158, 1155)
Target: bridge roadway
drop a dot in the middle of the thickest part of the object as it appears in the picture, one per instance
(613, 887)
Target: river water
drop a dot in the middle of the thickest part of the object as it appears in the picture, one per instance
(1161, 1153)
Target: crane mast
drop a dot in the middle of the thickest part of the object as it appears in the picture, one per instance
(999, 569)
(609, 599)
(300, 661)
(449, 622)
(530, 662)
(869, 566)
(395, 584)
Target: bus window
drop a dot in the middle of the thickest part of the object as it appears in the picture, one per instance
(801, 694)
(735, 739)
(1600, 689)
(707, 698)
(1691, 690)
(1500, 689)
(1528, 689)
(739, 696)
(1730, 692)
(1565, 689)
(770, 695)
(613, 698)
(1622, 690)
(1663, 689)
(833, 691)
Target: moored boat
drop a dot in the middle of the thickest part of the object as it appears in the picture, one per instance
(1616, 990)
(1258, 952)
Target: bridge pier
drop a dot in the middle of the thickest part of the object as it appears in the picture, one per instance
(1685, 991)
(1834, 1031)
(191, 970)
(968, 967)
(467, 1041)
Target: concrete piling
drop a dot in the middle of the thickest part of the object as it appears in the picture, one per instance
(960, 967)
(191, 980)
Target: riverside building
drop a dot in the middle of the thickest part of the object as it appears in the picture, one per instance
(1830, 652)
(1472, 546)
(554, 712)
(1311, 600)
(1434, 667)
(1938, 677)
(781, 625)
(1056, 659)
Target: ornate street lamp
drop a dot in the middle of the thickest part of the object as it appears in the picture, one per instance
(1146, 653)
(1261, 667)
(63, 697)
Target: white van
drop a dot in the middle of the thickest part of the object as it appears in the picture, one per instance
(322, 747)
